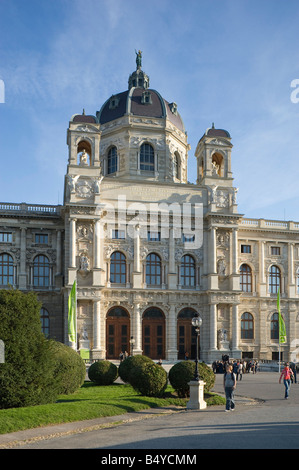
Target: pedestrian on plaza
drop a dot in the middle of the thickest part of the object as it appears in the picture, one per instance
(240, 370)
(229, 385)
(287, 373)
(293, 367)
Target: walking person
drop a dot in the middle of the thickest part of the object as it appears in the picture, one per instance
(293, 367)
(240, 370)
(286, 373)
(229, 385)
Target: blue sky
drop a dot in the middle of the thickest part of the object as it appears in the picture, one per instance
(230, 62)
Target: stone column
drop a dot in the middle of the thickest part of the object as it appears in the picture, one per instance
(262, 283)
(235, 276)
(97, 244)
(172, 350)
(72, 252)
(72, 262)
(137, 249)
(235, 332)
(235, 251)
(97, 271)
(212, 256)
(213, 327)
(172, 275)
(98, 351)
(137, 330)
(137, 275)
(58, 252)
(212, 251)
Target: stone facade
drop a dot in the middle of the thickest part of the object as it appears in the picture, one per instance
(149, 250)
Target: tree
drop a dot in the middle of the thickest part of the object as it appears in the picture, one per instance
(26, 377)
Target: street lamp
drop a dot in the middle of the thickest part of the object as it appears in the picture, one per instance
(132, 342)
(196, 322)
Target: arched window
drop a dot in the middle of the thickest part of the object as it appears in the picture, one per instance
(45, 321)
(245, 278)
(153, 270)
(41, 271)
(274, 279)
(247, 326)
(112, 161)
(147, 157)
(187, 271)
(177, 166)
(118, 268)
(274, 326)
(6, 269)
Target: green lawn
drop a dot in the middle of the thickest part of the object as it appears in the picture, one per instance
(89, 402)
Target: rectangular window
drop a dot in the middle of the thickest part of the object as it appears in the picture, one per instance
(41, 238)
(118, 234)
(275, 250)
(5, 237)
(153, 236)
(245, 248)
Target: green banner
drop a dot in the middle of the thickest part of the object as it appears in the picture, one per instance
(281, 324)
(72, 313)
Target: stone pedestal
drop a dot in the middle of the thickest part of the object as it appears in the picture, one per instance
(196, 401)
(84, 344)
(224, 346)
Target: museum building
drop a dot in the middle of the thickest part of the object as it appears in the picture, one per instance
(149, 250)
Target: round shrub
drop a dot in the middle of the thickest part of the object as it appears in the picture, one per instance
(103, 372)
(70, 370)
(149, 379)
(128, 364)
(183, 372)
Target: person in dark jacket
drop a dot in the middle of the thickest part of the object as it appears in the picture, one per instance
(229, 385)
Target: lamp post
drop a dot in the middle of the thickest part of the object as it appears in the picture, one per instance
(132, 342)
(196, 322)
(196, 385)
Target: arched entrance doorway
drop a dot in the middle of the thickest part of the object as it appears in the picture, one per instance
(117, 332)
(153, 333)
(186, 333)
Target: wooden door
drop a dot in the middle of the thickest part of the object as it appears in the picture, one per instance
(153, 334)
(117, 333)
(186, 335)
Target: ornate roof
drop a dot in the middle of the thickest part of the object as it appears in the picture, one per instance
(139, 100)
(212, 132)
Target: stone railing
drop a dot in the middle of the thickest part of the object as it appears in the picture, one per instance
(270, 224)
(28, 209)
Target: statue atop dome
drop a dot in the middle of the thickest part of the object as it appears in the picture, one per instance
(138, 58)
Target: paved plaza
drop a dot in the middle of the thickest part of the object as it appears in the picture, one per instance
(263, 419)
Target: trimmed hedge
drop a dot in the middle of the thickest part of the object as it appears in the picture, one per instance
(70, 370)
(26, 377)
(128, 364)
(103, 372)
(149, 379)
(182, 373)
